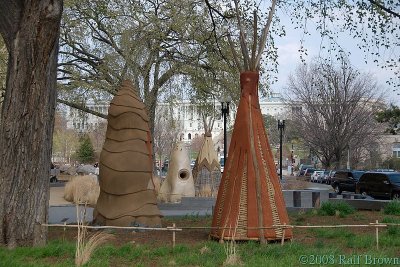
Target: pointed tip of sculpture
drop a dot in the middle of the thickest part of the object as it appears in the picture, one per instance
(128, 85)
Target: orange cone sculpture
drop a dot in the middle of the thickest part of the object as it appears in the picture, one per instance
(250, 198)
(127, 196)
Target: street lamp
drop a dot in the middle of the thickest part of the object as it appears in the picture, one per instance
(281, 128)
(225, 111)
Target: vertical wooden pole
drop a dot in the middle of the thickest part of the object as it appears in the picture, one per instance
(173, 235)
(377, 234)
(283, 234)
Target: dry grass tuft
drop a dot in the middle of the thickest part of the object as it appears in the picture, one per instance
(232, 258)
(82, 189)
(204, 250)
(85, 250)
(171, 263)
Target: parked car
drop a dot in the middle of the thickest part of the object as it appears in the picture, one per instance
(222, 163)
(330, 177)
(380, 184)
(303, 168)
(346, 180)
(308, 172)
(323, 178)
(316, 176)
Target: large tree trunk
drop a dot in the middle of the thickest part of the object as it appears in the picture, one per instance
(30, 30)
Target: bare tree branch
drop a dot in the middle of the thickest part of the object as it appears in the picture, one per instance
(83, 108)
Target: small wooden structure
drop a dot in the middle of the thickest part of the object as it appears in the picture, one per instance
(207, 170)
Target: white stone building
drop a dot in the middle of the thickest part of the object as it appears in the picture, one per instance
(185, 113)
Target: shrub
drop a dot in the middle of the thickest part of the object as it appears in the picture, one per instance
(85, 153)
(340, 208)
(82, 189)
(392, 229)
(392, 208)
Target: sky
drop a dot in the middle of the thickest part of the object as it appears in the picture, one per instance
(289, 59)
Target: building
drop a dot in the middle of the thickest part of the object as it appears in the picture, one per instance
(185, 113)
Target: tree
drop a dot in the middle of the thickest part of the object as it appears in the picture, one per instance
(104, 43)
(333, 107)
(85, 153)
(65, 141)
(374, 25)
(30, 32)
(390, 117)
(3, 70)
(166, 131)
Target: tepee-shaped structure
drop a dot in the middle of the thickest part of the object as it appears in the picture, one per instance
(127, 196)
(250, 200)
(207, 170)
(179, 180)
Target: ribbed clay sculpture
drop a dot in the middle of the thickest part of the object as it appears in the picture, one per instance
(127, 196)
(179, 181)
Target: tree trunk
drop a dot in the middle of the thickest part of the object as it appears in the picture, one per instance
(30, 30)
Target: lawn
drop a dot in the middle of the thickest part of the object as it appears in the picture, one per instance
(316, 246)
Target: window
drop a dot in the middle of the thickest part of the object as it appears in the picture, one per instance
(396, 150)
(189, 136)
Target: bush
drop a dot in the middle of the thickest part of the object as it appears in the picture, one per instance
(340, 208)
(82, 189)
(392, 208)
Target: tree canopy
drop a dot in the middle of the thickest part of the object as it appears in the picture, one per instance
(333, 107)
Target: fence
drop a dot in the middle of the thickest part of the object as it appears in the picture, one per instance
(175, 229)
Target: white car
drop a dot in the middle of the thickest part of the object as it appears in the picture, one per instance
(317, 175)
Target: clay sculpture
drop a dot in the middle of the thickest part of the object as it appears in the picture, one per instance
(207, 170)
(179, 181)
(127, 196)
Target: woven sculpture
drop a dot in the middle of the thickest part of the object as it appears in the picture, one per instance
(250, 194)
(179, 180)
(207, 170)
(127, 196)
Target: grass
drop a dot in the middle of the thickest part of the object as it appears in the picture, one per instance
(310, 243)
(58, 253)
(341, 209)
(392, 208)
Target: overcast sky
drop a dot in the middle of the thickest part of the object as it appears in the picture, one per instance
(289, 58)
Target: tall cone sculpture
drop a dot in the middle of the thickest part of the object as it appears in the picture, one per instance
(250, 194)
(207, 170)
(179, 180)
(127, 196)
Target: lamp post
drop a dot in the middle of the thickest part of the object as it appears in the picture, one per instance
(281, 128)
(225, 111)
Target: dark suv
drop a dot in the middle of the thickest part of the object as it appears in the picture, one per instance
(345, 180)
(380, 184)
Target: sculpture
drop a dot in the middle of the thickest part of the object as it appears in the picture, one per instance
(250, 200)
(127, 196)
(207, 170)
(179, 180)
